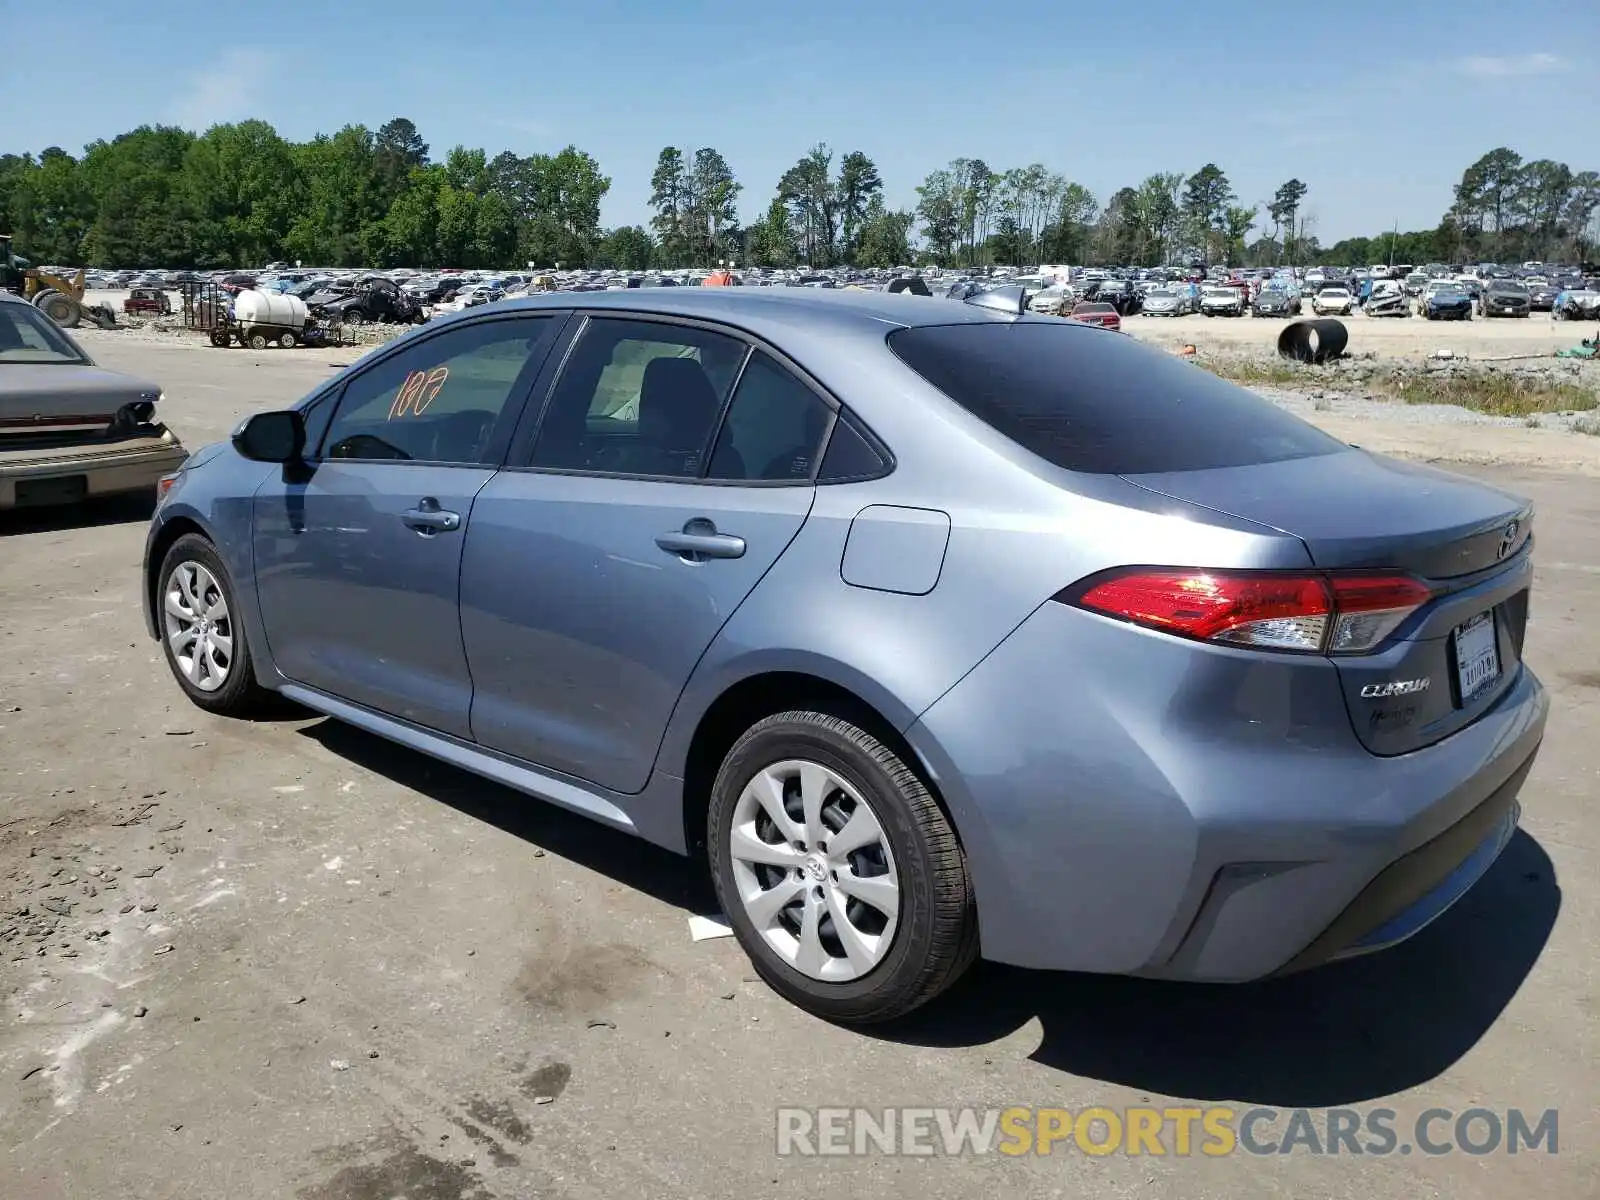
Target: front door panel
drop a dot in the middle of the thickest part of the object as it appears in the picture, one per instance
(358, 598)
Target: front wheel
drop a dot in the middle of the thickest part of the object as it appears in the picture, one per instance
(204, 644)
(841, 875)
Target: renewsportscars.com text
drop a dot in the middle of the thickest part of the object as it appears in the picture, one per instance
(1177, 1131)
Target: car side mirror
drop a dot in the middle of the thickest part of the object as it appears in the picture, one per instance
(272, 437)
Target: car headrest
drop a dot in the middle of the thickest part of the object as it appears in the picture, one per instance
(677, 403)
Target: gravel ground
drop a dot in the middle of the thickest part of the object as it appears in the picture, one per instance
(1312, 404)
(1388, 338)
(288, 959)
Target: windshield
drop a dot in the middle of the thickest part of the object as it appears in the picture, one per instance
(27, 336)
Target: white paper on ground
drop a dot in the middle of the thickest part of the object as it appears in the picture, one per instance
(704, 928)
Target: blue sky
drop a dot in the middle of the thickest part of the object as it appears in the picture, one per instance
(1377, 104)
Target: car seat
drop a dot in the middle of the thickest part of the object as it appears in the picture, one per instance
(795, 462)
(677, 408)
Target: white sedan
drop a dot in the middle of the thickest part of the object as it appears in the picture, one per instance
(1051, 300)
(1333, 300)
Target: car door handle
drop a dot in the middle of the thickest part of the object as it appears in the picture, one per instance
(428, 519)
(699, 541)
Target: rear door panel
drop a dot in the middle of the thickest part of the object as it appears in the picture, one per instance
(581, 631)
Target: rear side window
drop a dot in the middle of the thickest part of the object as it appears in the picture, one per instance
(850, 454)
(1102, 403)
(773, 429)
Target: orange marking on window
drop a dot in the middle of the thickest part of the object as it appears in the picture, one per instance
(429, 390)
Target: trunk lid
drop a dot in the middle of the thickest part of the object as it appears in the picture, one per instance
(1355, 509)
(44, 404)
(1453, 658)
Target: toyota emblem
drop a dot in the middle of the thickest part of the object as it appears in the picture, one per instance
(1507, 540)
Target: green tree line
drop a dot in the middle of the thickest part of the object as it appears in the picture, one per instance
(1504, 210)
(240, 194)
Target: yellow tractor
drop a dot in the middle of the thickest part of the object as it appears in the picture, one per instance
(59, 298)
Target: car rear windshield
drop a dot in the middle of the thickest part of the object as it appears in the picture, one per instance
(28, 336)
(1102, 403)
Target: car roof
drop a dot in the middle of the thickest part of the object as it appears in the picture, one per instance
(776, 313)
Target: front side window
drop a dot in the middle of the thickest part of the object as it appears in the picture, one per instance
(440, 399)
(638, 398)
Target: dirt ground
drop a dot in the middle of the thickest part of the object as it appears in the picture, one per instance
(287, 959)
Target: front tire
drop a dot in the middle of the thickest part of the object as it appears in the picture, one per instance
(204, 643)
(841, 876)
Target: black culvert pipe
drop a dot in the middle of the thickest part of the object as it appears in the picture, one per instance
(1316, 342)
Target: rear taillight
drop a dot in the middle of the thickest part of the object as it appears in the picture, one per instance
(1311, 613)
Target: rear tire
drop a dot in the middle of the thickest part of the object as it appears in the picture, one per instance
(912, 853)
(287, 340)
(258, 341)
(192, 581)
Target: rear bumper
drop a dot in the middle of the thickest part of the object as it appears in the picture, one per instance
(1134, 804)
(107, 469)
(1417, 888)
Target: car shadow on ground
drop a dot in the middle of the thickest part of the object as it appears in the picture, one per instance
(1344, 1033)
(1341, 1034)
(112, 510)
(631, 861)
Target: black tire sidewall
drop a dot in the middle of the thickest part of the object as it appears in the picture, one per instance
(801, 739)
(234, 695)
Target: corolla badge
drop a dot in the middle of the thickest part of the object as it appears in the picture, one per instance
(1507, 540)
(1397, 687)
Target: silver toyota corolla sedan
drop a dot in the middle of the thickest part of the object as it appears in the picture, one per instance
(934, 629)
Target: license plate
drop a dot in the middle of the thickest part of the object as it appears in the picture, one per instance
(64, 489)
(1477, 655)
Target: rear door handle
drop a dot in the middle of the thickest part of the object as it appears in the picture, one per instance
(699, 540)
(428, 518)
